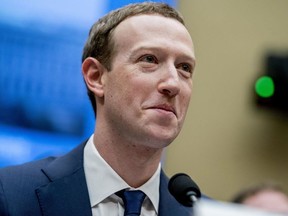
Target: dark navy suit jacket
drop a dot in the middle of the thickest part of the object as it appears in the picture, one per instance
(56, 186)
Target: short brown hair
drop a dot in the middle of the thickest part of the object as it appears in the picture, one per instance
(100, 44)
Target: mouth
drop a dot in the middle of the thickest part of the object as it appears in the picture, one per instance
(166, 108)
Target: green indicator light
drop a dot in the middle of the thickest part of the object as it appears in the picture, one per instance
(265, 87)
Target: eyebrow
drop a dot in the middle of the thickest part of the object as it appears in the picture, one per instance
(184, 55)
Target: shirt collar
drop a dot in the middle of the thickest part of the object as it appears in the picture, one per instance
(103, 181)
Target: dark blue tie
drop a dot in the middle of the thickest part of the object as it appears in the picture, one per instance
(132, 201)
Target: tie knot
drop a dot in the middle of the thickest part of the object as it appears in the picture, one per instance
(132, 201)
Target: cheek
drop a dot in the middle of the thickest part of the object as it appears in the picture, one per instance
(186, 94)
(125, 91)
(135, 93)
(184, 105)
(185, 100)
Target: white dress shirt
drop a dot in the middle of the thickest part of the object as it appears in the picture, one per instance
(103, 182)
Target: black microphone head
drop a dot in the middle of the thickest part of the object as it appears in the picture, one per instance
(181, 186)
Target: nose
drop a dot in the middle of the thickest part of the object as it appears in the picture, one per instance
(169, 83)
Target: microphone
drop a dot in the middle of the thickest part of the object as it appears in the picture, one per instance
(184, 189)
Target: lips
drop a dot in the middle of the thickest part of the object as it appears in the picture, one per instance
(165, 107)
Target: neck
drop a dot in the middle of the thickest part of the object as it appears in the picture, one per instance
(135, 163)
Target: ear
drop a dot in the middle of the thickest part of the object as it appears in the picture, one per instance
(93, 71)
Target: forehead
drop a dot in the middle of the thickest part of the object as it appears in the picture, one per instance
(142, 30)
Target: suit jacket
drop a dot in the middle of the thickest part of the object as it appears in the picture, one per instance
(56, 186)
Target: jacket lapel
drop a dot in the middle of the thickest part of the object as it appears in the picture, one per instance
(168, 205)
(67, 192)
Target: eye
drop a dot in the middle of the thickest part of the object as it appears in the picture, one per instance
(149, 59)
(186, 67)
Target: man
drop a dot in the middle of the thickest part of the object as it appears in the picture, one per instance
(137, 64)
(267, 196)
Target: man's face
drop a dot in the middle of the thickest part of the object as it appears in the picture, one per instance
(269, 200)
(147, 91)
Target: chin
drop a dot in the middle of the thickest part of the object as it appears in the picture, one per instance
(163, 141)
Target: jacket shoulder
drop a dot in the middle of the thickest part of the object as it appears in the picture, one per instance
(18, 184)
(26, 171)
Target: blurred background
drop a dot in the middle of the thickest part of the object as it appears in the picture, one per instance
(236, 132)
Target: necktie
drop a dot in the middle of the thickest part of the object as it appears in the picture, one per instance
(132, 201)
